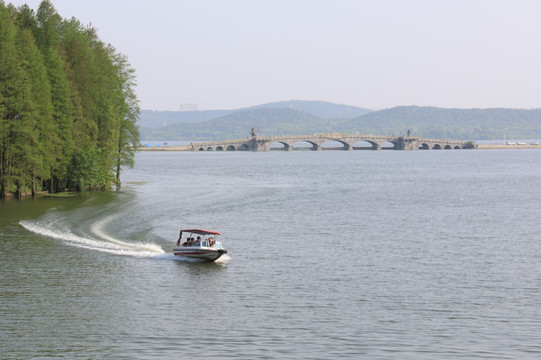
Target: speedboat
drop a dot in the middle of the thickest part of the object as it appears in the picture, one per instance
(204, 247)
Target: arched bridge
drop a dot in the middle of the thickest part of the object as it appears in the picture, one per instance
(263, 143)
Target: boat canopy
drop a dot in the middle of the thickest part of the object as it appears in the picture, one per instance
(199, 232)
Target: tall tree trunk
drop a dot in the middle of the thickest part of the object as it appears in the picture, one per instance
(18, 192)
(51, 182)
(118, 164)
(34, 184)
(4, 173)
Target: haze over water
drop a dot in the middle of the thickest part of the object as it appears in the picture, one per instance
(376, 254)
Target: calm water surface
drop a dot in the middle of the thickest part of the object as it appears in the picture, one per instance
(360, 254)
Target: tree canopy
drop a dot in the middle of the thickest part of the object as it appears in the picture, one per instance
(68, 108)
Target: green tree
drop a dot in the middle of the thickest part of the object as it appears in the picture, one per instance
(39, 113)
(61, 147)
(12, 99)
(77, 45)
(128, 112)
(48, 26)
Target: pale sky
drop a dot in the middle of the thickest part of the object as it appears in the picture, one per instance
(229, 54)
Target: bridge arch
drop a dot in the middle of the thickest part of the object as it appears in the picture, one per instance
(280, 145)
(436, 147)
(301, 144)
(231, 148)
(424, 146)
(219, 148)
(345, 145)
(365, 145)
(386, 145)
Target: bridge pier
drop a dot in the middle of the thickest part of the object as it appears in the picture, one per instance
(257, 145)
(288, 147)
(407, 143)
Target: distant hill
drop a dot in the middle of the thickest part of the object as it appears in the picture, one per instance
(462, 124)
(322, 109)
(286, 118)
(156, 119)
(237, 125)
(326, 110)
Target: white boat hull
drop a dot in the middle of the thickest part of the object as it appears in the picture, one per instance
(196, 252)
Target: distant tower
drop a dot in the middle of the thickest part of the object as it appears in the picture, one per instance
(188, 107)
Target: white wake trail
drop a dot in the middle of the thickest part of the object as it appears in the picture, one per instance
(98, 229)
(107, 244)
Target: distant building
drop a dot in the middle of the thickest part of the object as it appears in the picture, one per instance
(188, 107)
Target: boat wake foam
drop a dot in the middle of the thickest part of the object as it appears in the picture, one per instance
(97, 240)
(223, 259)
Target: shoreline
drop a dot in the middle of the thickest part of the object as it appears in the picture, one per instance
(505, 146)
(165, 148)
(477, 146)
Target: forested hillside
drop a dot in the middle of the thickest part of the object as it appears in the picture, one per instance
(284, 117)
(322, 109)
(461, 124)
(68, 109)
(158, 119)
(238, 124)
(430, 122)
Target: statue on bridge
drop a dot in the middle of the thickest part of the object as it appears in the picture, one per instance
(253, 132)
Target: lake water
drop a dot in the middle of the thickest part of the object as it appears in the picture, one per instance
(332, 254)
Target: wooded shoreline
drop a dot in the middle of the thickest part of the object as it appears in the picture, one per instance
(68, 107)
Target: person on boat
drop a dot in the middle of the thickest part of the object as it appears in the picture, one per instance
(211, 241)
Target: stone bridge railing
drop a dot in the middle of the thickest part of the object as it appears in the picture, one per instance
(263, 143)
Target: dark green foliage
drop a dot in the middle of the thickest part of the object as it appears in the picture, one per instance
(469, 145)
(67, 105)
(89, 171)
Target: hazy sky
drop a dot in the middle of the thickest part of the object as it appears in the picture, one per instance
(227, 54)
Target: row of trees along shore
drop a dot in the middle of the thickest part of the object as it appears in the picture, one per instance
(68, 108)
